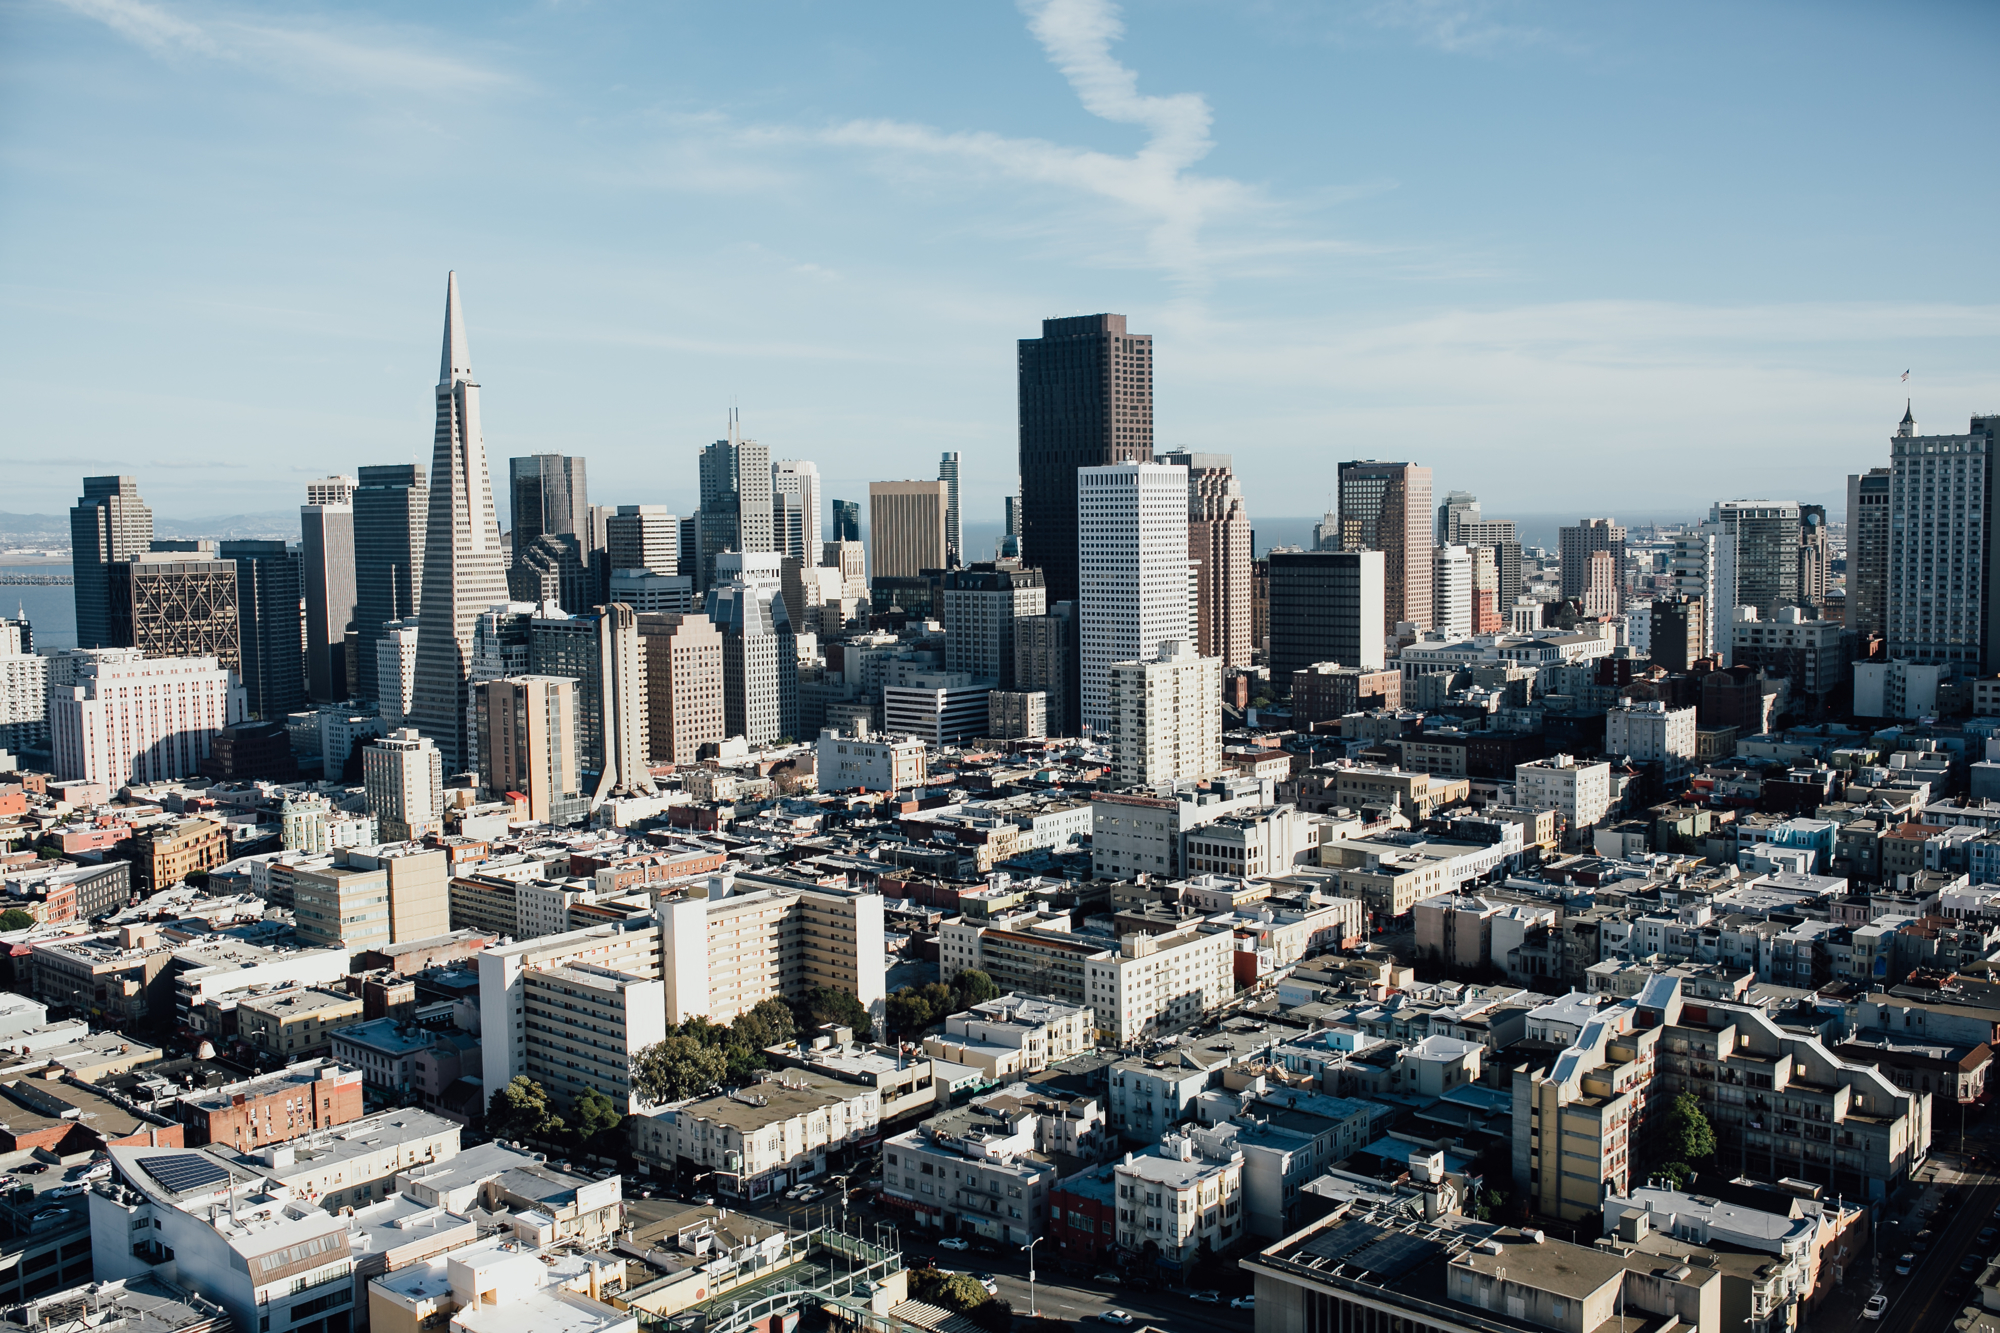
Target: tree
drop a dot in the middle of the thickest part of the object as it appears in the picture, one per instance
(949, 1291)
(906, 1012)
(972, 987)
(829, 1004)
(992, 1314)
(522, 1108)
(596, 1114)
(15, 919)
(1690, 1138)
(680, 1066)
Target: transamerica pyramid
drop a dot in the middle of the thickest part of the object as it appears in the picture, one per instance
(465, 572)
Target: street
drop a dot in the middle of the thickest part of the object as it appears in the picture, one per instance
(1956, 1205)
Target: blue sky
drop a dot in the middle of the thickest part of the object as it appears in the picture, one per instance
(1594, 257)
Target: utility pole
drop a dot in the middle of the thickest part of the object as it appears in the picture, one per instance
(1030, 1248)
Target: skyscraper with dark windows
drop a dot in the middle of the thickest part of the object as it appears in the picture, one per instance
(390, 507)
(846, 521)
(1086, 400)
(735, 501)
(549, 496)
(269, 625)
(109, 523)
(1386, 507)
(954, 524)
(1868, 551)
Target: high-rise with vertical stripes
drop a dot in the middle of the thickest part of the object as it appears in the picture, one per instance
(465, 570)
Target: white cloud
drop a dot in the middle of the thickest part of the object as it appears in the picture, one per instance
(1456, 26)
(149, 25)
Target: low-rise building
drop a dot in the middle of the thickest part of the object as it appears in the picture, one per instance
(385, 1050)
(300, 1099)
(1015, 1034)
(1186, 1200)
(971, 1171)
(757, 1141)
(297, 1022)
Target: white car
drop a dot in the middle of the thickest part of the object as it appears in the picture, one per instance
(1118, 1317)
(1205, 1297)
(986, 1280)
(1244, 1303)
(810, 1192)
(954, 1243)
(1876, 1307)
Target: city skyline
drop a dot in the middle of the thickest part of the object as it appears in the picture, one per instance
(1305, 300)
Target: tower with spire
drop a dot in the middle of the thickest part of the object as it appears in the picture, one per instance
(1907, 428)
(465, 571)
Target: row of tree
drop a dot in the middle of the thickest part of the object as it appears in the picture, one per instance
(963, 1293)
(915, 1009)
(523, 1110)
(699, 1054)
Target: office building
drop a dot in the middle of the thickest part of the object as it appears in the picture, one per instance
(332, 490)
(548, 494)
(1386, 507)
(954, 523)
(1815, 556)
(1496, 535)
(1678, 632)
(1451, 592)
(1219, 546)
(1010, 527)
(1577, 544)
(465, 567)
(621, 692)
(851, 759)
(941, 708)
(269, 628)
(1085, 400)
(1458, 509)
(796, 483)
(1015, 715)
(527, 728)
(1600, 596)
(846, 522)
(1649, 732)
(1942, 548)
(1046, 657)
(982, 604)
(644, 537)
(403, 776)
(1791, 644)
(735, 501)
(817, 598)
(572, 646)
(1166, 717)
(553, 568)
(906, 527)
(850, 557)
(390, 506)
(1326, 606)
(1764, 567)
(1328, 690)
(177, 603)
(396, 670)
(684, 693)
(1133, 564)
(109, 523)
(1867, 610)
(760, 657)
(139, 720)
(649, 593)
(326, 571)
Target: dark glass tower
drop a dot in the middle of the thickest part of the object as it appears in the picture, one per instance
(109, 523)
(391, 506)
(549, 496)
(1086, 400)
(267, 614)
(846, 521)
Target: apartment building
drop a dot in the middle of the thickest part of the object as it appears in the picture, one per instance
(1414, 795)
(1255, 844)
(1133, 835)
(728, 951)
(855, 758)
(300, 1099)
(1577, 1122)
(758, 1141)
(1156, 984)
(1182, 1196)
(971, 1171)
(508, 1043)
(165, 855)
(587, 1023)
(1580, 794)
(295, 1023)
(1014, 1034)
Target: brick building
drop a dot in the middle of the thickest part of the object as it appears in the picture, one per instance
(164, 855)
(1083, 1217)
(295, 1101)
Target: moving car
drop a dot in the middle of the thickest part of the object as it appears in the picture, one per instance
(1244, 1303)
(810, 1192)
(986, 1280)
(1205, 1297)
(954, 1243)
(1905, 1263)
(705, 1200)
(1118, 1317)
(1875, 1307)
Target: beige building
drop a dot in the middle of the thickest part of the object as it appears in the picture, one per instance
(683, 684)
(528, 743)
(1166, 717)
(745, 943)
(1177, 1196)
(588, 1024)
(906, 527)
(487, 904)
(1014, 1034)
(1415, 795)
(758, 1141)
(297, 1022)
(403, 774)
(342, 906)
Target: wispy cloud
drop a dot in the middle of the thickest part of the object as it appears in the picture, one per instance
(375, 59)
(1458, 26)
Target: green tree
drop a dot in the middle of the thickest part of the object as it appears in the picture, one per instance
(15, 919)
(971, 987)
(906, 1012)
(949, 1291)
(520, 1109)
(680, 1066)
(596, 1114)
(829, 1004)
(992, 1314)
(1690, 1138)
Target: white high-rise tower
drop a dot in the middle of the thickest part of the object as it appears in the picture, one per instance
(795, 510)
(465, 569)
(1133, 572)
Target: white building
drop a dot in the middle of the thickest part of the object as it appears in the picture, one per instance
(1177, 1196)
(759, 1141)
(760, 660)
(1649, 732)
(1451, 592)
(1902, 690)
(1132, 835)
(24, 692)
(872, 763)
(942, 708)
(1941, 498)
(1160, 983)
(311, 823)
(1134, 577)
(972, 1169)
(1579, 793)
(145, 720)
(799, 480)
(1165, 715)
(1254, 844)
(1803, 650)
(396, 670)
(1039, 1032)
(403, 774)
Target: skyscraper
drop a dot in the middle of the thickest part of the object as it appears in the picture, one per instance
(1166, 717)
(465, 569)
(1459, 507)
(1086, 400)
(644, 537)
(1010, 527)
(109, 523)
(1386, 507)
(1135, 596)
(621, 663)
(269, 626)
(1815, 556)
(1497, 534)
(549, 494)
(760, 656)
(403, 777)
(846, 521)
(1578, 543)
(1326, 607)
(906, 527)
(735, 501)
(1765, 572)
(1219, 544)
(954, 527)
(982, 603)
(526, 727)
(391, 504)
(1045, 659)
(684, 692)
(797, 524)
(1868, 549)
(1942, 552)
(177, 602)
(552, 568)
(333, 490)
(1451, 592)
(326, 569)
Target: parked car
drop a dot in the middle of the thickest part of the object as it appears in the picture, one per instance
(1986, 1235)
(954, 1243)
(705, 1200)
(1971, 1263)
(1244, 1303)
(808, 1193)
(34, 1168)
(986, 1280)
(1875, 1307)
(66, 1191)
(1118, 1317)
(1106, 1276)
(1205, 1297)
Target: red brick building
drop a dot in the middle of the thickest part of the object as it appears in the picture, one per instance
(1083, 1217)
(295, 1101)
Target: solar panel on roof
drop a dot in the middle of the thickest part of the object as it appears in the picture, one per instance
(1394, 1255)
(183, 1171)
(1336, 1243)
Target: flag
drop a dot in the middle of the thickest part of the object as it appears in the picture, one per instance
(1906, 375)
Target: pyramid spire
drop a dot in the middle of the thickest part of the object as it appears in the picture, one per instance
(1907, 428)
(457, 360)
